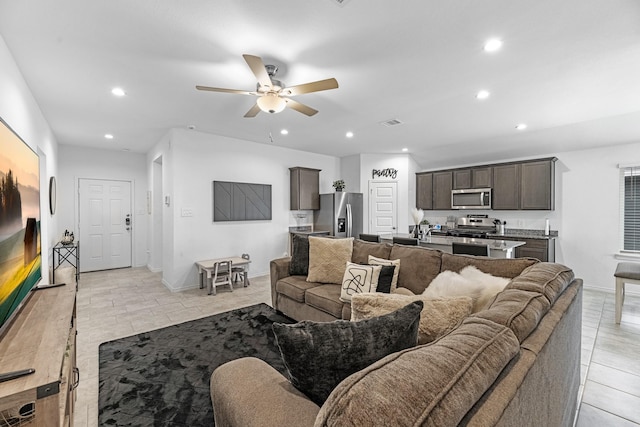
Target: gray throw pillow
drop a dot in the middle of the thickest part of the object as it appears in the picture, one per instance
(299, 265)
(319, 355)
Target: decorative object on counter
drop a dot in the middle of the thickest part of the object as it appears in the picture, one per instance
(339, 185)
(387, 173)
(546, 227)
(499, 226)
(68, 238)
(418, 215)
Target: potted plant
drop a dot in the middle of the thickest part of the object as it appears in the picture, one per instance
(338, 185)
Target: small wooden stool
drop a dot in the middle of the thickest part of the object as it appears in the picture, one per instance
(626, 272)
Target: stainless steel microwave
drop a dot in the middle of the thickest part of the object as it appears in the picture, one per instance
(471, 198)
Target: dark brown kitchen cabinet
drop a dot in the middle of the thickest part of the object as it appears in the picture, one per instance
(506, 187)
(537, 185)
(305, 188)
(480, 177)
(424, 190)
(541, 249)
(442, 186)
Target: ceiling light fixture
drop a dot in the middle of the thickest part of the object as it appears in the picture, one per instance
(108, 136)
(117, 91)
(284, 132)
(405, 149)
(483, 94)
(349, 134)
(492, 45)
(271, 103)
(521, 126)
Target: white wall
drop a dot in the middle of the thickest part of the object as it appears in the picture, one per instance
(19, 109)
(197, 159)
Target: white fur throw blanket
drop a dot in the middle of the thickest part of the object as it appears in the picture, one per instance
(471, 282)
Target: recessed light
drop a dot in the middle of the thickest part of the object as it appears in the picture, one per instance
(349, 134)
(118, 91)
(492, 45)
(521, 126)
(483, 94)
(191, 127)
(284, 132)
(126, 149)
(108, 136)
(405, 149)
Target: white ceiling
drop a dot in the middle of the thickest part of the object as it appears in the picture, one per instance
(570, 69)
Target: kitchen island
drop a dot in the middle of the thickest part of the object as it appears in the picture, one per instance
(497, 248)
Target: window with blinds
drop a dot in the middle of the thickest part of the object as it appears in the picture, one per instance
(630, 204)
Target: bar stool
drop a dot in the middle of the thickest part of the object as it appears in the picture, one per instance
(626, 272)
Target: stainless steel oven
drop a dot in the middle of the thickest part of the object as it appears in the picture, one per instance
(471, 198)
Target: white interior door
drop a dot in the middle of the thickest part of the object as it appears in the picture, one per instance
(105, 224)
(383, 207)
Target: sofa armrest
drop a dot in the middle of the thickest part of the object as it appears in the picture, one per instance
(279, 268)
(248, 392)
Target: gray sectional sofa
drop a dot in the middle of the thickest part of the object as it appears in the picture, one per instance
(515, 363)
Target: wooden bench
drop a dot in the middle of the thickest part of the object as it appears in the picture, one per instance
(626, 272)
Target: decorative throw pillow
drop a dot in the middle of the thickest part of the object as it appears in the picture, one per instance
(299, 265)
(385, 279)
(381, 261)
(439, 315)
(471, 282)
(358, 279)
(319, 355)
(328, 259)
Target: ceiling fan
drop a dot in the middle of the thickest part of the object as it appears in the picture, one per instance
(273, 95)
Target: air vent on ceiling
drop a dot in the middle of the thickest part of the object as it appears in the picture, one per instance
(392, 122)
(341, 2)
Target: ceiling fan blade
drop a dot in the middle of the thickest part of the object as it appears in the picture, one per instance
(218, 89)
(253, 111)
(259, 70)
(310, 87)
(301, 108)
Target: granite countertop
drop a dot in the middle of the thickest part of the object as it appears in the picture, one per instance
(511, 233)
(494, 244)
(306, 229)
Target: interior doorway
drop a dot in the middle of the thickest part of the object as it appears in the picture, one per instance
(105, 224)
(383, 207)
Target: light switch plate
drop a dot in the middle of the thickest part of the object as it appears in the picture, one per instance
(187, 212)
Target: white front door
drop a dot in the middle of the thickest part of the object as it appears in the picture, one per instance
(383, 207)
(105, 224)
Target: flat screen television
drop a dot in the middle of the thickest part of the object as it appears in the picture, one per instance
(20, 243)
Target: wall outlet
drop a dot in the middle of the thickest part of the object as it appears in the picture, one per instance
(187, 212)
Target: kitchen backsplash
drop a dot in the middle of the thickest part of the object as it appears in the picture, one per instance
(521, 220)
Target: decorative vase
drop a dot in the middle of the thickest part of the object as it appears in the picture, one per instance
(416, 231)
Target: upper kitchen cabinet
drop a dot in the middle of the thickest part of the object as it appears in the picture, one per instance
(305, 188)
(424, 190)
(537, 185)
(526, 185)
(442, 186)
(506, 187)
(477, 177)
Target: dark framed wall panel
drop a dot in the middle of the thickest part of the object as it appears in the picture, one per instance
(239, 201)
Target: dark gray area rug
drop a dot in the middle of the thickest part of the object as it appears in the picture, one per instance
(161, 378)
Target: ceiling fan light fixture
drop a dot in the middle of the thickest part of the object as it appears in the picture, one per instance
(271, 103)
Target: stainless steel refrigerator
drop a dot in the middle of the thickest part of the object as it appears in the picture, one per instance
(340, 214)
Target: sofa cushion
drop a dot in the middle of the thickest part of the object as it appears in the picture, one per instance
(299, 255)
(419, 266)
(426, 385)
(438, 317)
(328, 259)
(319, 355)
(358, 279)
(519, 310)
(501, 267)
(547, 278)
(325, 297)
(294, 287)
(362, 250)
(387, 262)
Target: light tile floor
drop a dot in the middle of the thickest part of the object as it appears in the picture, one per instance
(117, 303)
